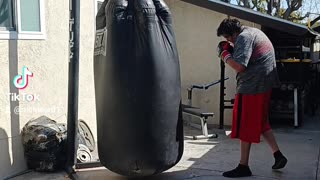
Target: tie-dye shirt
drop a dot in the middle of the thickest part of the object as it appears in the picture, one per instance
(254, 50)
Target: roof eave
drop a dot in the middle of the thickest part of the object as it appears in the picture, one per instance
(252, 16)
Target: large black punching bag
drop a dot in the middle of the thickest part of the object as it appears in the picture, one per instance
(137, 86)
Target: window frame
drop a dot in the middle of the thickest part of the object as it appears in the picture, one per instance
(96, 6)
(12, 21)
(17, 33)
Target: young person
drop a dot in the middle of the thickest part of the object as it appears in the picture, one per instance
(253, 58)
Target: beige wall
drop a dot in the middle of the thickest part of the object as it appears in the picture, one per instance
(87, 109)
(48, 59)
(195, 30)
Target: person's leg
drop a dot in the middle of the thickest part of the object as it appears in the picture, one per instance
(271, 140)
(280, 160)
(242, 170)
(266, 129)
(267, 133)
(239, 122)
(245, 152)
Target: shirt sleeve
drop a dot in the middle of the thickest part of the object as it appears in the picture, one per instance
(243, 48)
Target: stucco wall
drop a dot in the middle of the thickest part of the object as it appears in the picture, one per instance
(87, 109)
(195, 30)
(48, 60)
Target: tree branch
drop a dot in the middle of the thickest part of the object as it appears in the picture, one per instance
(296, 5)
(287, 13)
(314, 21)
(288, 3)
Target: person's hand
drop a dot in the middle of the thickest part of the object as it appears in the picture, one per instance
(224, 50)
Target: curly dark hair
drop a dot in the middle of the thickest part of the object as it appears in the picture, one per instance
(229, 27)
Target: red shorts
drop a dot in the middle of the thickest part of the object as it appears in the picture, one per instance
(250, 116)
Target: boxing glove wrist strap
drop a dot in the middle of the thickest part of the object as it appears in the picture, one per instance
(225, 55)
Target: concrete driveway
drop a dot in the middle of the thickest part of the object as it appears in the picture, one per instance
(207, 159)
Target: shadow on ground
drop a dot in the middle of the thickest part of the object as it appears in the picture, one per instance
(207, 158)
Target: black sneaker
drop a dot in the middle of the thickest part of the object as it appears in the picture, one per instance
(240, 171)
(280, 162)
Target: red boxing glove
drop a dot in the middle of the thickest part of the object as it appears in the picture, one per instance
(224, 50)
(225, 55)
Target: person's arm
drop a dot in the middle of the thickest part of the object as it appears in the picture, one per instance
(224, 48)
(236, 66)
(242, 53)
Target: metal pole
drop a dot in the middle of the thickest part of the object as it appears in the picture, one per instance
(73, 85)
(296, 106)
(222, 74)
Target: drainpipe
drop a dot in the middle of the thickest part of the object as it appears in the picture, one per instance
(73, 85)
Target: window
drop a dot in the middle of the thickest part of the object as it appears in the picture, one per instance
(98, 4)
(22, 19)
(6, 16)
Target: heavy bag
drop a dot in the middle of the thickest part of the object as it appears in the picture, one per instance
(137, 86)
